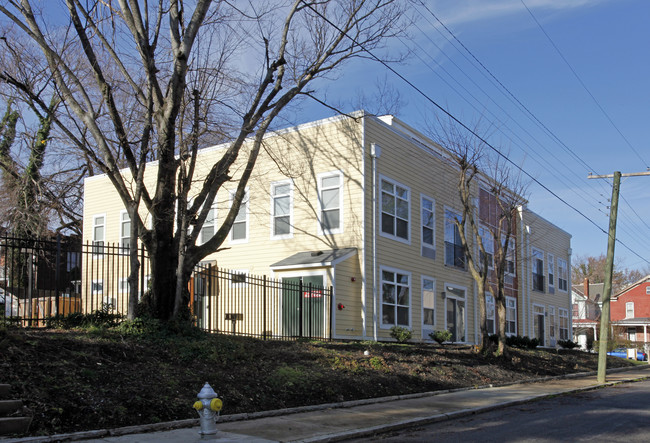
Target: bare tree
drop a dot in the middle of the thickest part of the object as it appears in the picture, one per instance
(145, 80)
(489, 198)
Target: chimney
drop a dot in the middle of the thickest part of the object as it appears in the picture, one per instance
(586, 288)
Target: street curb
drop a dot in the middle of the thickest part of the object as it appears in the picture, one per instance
(374, 430)
(189, 423)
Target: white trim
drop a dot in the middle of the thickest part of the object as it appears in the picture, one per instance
(383, 325)
(123, 286)
(364, 287)
(319, 179)
(444, 233)
(494, 312)
(246, 201)
(550, 270)
(450, 295)
(128, 236)
(424, 245)
(559, 275)
(380, 211)
(425, 328)
(629, 304)
(542, 340)
(103, 240)
(273, 215)
(533, 268)
(200, 238)
(515, 309)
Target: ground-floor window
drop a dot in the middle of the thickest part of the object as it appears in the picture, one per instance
(511, 316)
(395, 297)
(455, 312)
(551, 322)
(428, 302)
(564, 324)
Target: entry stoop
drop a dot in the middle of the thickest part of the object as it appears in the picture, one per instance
(10, 423)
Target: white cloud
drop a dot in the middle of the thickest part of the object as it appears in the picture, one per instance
(465, 11)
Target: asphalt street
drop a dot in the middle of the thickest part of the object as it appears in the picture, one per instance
(618, 413)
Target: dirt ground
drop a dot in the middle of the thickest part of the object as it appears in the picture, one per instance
(73, 381)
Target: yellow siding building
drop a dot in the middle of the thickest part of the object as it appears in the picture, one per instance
(363, 204)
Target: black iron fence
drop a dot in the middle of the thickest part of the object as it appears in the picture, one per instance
(40, 279)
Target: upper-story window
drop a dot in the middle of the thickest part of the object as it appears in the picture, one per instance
(99, 233)
(125, 232)
(330, 199)
(510, 254)
(562, 275)
(551, 274)
(281, 209)
(629, 309)
(647, 290)
(209, 226)
(395, 210)
(239, 230)
(428, 227)
(537, 263)
(488, 245)
(454, 251)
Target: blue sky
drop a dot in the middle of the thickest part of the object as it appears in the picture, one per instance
(606, 42)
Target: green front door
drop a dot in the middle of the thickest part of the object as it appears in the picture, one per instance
(303, 310)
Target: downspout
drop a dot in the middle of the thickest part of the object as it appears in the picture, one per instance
(375, 152)
(364, 286)
(524, 279)
(528, 277)
(569, 293)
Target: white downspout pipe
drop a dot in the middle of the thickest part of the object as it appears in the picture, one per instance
(375, 152)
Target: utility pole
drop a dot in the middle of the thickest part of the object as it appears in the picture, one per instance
(609, 268)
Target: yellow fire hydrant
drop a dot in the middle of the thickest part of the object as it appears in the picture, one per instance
(208, 406)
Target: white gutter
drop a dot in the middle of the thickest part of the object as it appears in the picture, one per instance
(375, 152)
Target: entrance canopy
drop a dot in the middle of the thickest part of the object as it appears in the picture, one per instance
(314, 259)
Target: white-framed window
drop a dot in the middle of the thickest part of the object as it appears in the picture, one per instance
(99, 233)
(563, 275)
(395, 297)
(511, 316)
(510, 255)
(428, 303)
(564, 324)
(428, 213)
(490, 314)
(123, 286)
(330, 200)
(281, 209)
(454, 251)
(395, 210)
(551, 322)
(488, 245)
(537, 263)
(97, 287)
(125, 232)
(629, 309)
(239, 277)
(239, 230)
(647, 290)
(551, 274)
(209, 226)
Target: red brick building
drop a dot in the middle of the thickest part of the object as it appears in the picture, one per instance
(630, 312)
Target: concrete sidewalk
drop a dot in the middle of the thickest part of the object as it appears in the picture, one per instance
(364, 418)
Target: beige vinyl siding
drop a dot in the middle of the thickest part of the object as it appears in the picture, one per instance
(414, 167)
(550, 239)
(348, 320)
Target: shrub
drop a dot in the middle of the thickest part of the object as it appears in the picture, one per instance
(525, 342)
(402, 335)
(440, 336)
(100, 318)
(567, 344)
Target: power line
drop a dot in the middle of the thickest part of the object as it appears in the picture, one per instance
(585, 86)
(464, 126)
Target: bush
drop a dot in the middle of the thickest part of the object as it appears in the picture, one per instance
(525, 342)
(567, 344)
(100, 318)
(440, 336)
(402, 335)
